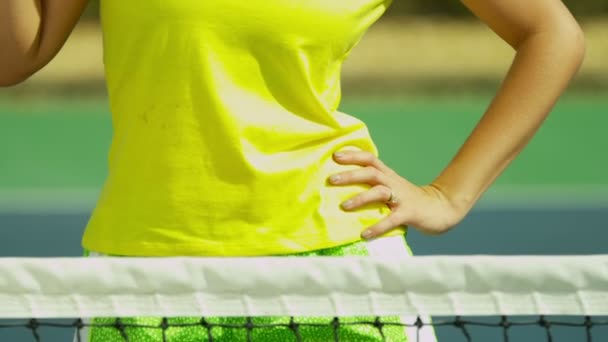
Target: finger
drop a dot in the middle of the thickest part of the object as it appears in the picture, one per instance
(366, 175)
(361, 158)
(390, 222)
(378, 193)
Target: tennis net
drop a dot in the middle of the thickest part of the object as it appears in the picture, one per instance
(470, 298)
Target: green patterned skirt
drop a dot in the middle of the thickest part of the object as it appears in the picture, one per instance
(267, 329)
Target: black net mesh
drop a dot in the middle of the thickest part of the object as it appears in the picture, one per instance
(503, 328)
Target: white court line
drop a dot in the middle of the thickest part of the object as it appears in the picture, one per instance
(82, 200)
(33, 200)
(545, 197)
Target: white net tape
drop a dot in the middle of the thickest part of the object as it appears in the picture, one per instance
(340, 286)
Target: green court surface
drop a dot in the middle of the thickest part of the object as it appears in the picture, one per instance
(53, 162)
(63, 144)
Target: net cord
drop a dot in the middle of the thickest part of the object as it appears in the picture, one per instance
(312, 286)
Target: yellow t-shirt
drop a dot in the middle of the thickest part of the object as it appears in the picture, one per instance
(225, 120)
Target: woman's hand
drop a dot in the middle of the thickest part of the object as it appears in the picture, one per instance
(550, 48)
(425, 208)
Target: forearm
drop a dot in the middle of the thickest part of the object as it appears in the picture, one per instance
(32, 32)
(544, 64)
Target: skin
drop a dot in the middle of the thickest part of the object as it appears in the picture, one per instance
(31, 33)
(550, 49)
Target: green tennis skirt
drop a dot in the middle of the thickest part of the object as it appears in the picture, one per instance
(269, 329)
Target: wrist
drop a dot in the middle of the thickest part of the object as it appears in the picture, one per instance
(457, 203)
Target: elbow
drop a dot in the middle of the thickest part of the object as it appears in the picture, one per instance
(13, 77)
(560, 35)
(16, 69)
(580, 47)
(10, 80)
(572, 41)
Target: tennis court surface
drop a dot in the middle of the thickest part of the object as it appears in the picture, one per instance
(552, 201)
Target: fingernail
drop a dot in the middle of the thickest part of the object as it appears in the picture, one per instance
(347, 205)
(338, 155)
(367, 234)
(335, 178)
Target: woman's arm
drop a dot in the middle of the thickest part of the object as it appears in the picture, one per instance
(31, 34)
(550, 49)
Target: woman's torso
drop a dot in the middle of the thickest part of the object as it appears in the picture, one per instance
(225, 119)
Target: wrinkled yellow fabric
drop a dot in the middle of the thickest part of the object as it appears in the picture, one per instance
(225, 120)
